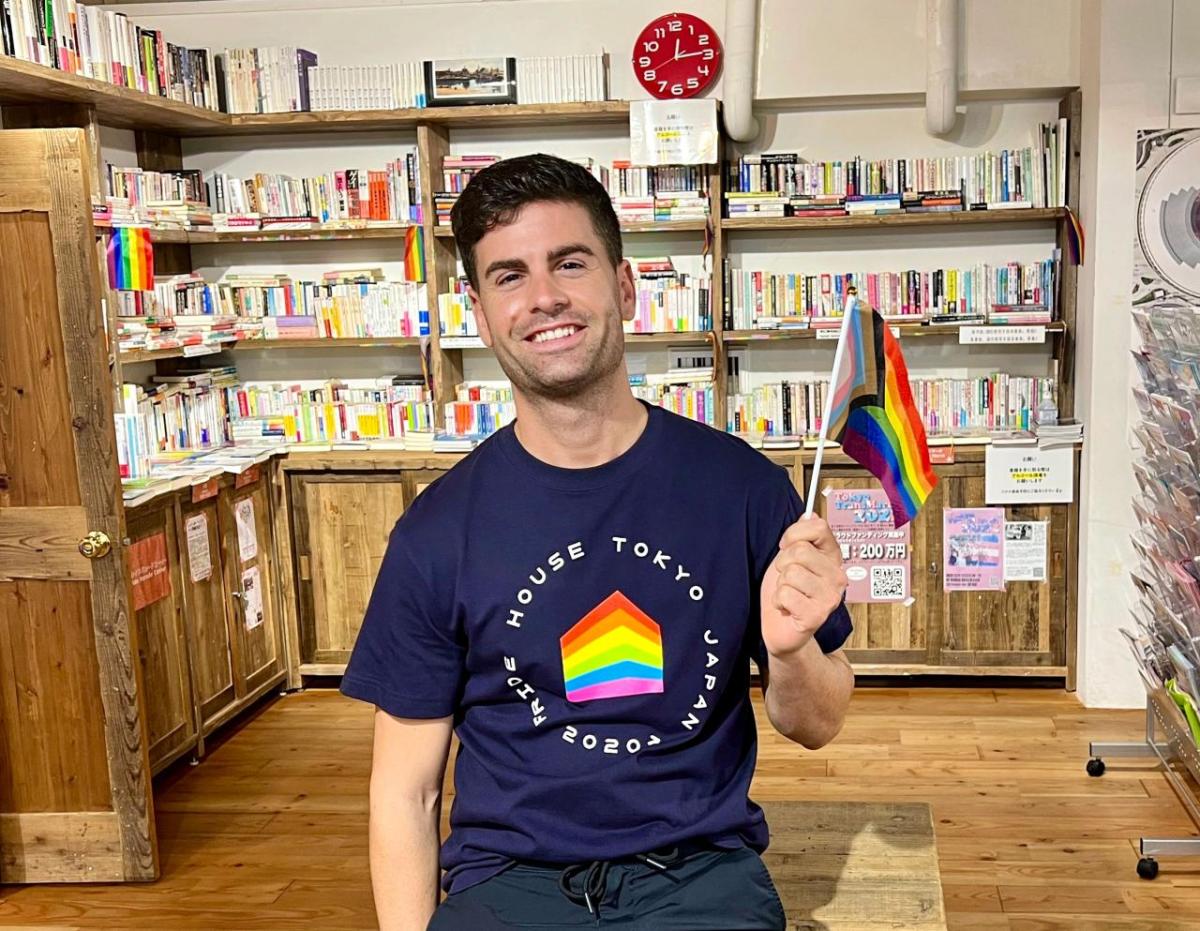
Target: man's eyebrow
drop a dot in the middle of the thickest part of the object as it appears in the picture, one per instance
(563, 251)
(505, 265)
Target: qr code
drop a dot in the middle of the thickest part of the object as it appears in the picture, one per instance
(887, 583)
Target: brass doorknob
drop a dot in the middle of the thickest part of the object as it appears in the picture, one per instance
(95, 544)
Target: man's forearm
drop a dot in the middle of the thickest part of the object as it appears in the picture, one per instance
(808, 693)
(404, 860)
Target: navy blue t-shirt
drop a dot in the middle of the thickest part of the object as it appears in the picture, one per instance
(590, 631)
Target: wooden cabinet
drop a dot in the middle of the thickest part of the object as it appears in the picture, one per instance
(162, 645)
(209, 626)
(341, 524)
(246, 546)
(1022, 629)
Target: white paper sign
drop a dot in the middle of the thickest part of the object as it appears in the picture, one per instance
(1026, 474)
(243, 511)
(996, 335)
(1025, 551)
(829, 332)
(673, 132)
(252, 599)
(199, 557)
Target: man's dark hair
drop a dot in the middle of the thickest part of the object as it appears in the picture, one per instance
(498, 193)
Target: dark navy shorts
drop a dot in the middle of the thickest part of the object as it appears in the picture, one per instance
(697, 889)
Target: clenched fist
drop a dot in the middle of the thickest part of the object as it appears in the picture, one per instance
(804, 585)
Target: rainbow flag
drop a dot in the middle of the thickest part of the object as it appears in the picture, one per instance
(130, 259)
(414, 254)
(873, 415)
(614, 651)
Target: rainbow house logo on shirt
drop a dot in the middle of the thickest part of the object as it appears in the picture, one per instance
(614, 651)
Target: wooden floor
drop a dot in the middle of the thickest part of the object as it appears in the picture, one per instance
(269, 831)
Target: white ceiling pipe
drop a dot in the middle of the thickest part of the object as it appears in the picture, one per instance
(741, 37)
(941, 65)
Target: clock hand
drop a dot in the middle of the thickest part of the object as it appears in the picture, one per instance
(689, 54)
(677, 55)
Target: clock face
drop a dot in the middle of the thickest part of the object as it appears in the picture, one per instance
(677, 55)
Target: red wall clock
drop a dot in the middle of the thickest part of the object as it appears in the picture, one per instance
(677, 55)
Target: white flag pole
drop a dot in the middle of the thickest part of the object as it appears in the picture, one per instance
(851, 303)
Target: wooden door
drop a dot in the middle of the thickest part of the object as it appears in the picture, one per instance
(245, 520)
(209, 626)
(162, 640)
(75, 797)
(342, 526)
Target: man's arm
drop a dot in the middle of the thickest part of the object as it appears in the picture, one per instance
(807, 691)
(407, 770)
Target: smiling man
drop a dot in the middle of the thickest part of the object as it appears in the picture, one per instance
(578, 599)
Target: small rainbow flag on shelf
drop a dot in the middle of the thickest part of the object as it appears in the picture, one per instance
(614, 651)
(872, 414)
(414, 254)
(130, 259)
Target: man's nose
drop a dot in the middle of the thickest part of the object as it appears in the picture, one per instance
(548, 295)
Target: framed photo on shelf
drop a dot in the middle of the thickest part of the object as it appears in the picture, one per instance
(460, 82)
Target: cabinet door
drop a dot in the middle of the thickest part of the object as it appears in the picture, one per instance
(342, 528)
(895, 633)
(246, 533)
(162, 645)
(209, 626)
(1024, 625)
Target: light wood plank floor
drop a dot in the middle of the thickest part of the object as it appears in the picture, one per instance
(270, 830)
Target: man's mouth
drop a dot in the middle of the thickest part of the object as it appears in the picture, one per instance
(566, 331)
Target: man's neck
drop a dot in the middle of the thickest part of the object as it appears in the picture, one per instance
(582, 432)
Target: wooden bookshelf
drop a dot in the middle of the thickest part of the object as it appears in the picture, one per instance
(652, 226)
(203, 237)
(492, 115)
(950, 218)
(22, 82)
(134, 356)
(377, 342)
(930, 331)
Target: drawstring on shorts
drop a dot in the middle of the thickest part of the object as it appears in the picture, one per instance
(595, 876)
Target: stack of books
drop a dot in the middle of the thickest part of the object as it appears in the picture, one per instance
(872, 204)
(669, 301)
(95, 42)
(266, 80)
(1011, 293)
(343, 196)
(936, 201)
(400, 85)
(562, 78)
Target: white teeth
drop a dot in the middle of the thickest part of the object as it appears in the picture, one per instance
(556, 333)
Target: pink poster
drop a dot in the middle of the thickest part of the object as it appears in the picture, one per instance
(973, 549)
(876, 554)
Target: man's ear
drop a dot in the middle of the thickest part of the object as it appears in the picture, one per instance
(481, 323)
(627, 288)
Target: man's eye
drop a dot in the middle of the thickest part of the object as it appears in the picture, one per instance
(571, 264)
(507, 279)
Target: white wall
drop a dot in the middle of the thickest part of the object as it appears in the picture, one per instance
(802, 52)
(1129, 50)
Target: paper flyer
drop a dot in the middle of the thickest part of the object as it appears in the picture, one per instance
(1025, 550)
(673, 132)
(148, 572)
(252, 599)
(243, 512)
(973, 549)
(199, 557)
(876, 555)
